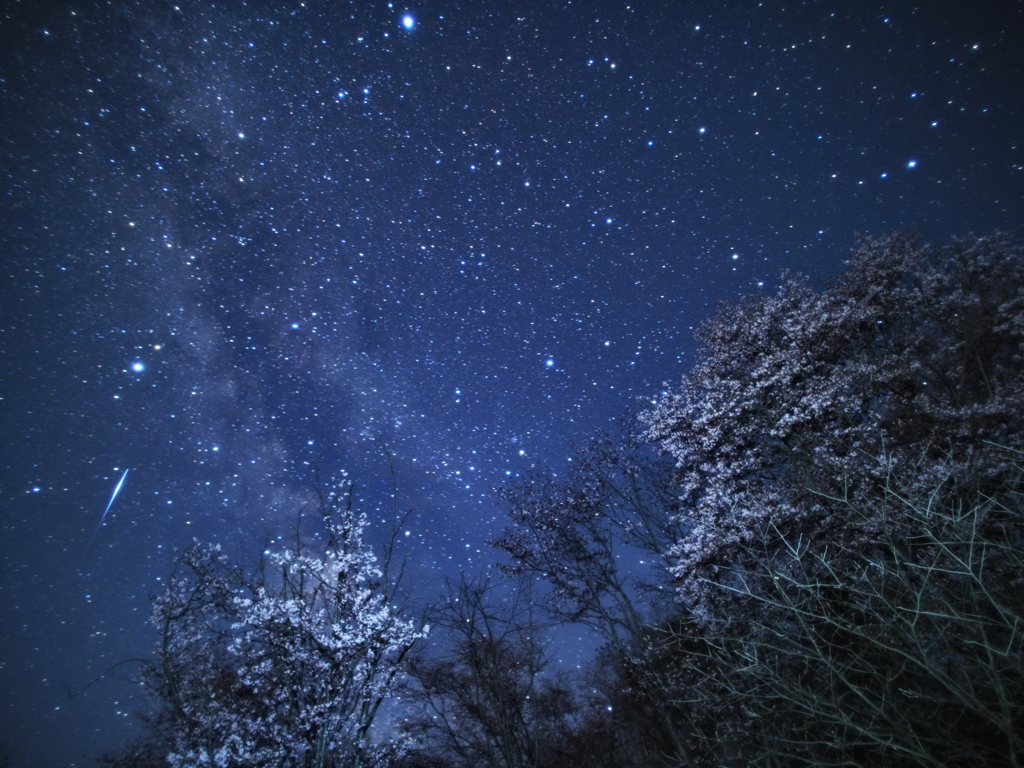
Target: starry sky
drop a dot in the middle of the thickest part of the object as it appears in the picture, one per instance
(245, 245)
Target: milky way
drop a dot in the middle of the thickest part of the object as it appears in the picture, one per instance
(247, 245)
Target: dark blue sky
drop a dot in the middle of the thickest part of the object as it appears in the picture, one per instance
(246, 245)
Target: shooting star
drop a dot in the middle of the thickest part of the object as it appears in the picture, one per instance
(117, 490)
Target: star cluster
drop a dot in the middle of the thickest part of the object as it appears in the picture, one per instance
(246, 245)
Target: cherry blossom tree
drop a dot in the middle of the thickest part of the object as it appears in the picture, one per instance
(285, 667)
(906, 367)
(848, 469)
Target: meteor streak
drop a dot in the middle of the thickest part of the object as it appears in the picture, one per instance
(117, 490)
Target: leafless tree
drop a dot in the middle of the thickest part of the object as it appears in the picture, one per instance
(483, 696)
(616, 500)
(599, 538)
(905, 652)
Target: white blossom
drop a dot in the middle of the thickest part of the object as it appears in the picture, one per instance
(285, 668)
(805, 397)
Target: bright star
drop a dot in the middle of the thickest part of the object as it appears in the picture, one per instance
(408, 21)
(138, 366)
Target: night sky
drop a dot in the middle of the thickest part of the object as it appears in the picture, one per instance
(244, 246)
